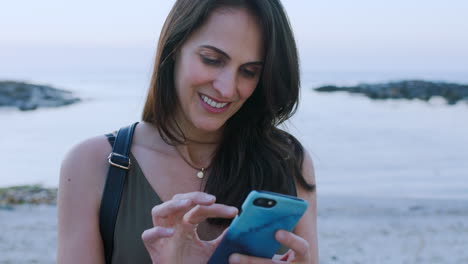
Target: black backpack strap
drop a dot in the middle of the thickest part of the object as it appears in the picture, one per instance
(119, 165)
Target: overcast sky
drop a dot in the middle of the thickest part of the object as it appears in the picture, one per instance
(359, 35)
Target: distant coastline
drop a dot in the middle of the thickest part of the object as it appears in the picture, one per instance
(28, 96)
(408, 89)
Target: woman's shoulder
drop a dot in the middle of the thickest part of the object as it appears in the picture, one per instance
(302, 157)
(290, 141)
(82, 177)
(88, 153)
(85, 165)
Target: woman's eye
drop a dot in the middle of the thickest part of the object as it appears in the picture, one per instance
(210, 61)
(248, 73)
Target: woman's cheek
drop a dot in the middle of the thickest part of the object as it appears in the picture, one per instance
(247, 88)
(201, 75)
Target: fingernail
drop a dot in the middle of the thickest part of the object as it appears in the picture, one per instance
(168, 231)
(234, 258)
(232, 210)
(208, 198)
(280, 235)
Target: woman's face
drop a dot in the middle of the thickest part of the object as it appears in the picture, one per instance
(217, 69)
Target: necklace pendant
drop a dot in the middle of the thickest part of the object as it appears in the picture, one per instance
(200, 174)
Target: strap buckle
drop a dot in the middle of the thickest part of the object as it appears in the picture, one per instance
(122, 161)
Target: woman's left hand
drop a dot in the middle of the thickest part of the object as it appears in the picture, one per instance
(299, 252)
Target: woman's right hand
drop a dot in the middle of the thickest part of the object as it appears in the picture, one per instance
(298, 253)
(174, 238)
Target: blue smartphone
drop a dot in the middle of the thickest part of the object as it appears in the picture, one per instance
(252, 232)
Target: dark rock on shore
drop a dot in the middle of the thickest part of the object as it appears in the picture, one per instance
(28, 96)
(27, 194)
(413, 89)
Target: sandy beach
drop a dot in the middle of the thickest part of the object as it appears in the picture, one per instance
(351, 230)
(403, 231)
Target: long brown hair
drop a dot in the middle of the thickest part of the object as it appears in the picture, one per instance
(253, 153)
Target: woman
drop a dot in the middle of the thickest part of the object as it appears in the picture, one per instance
(226, 74)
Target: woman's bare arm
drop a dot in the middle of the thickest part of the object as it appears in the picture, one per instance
(82, 178)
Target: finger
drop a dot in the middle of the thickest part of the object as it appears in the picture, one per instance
(179, 201)
(299, 245)
(149, 236)
(170, 207)
(243, 259)
(197, 197)
(200, 213)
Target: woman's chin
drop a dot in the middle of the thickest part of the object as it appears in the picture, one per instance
(210, 127)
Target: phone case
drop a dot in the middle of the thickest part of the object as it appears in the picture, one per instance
(252, 232)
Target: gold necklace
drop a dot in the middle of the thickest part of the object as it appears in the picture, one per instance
(200, 171)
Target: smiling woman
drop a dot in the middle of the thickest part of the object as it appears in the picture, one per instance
(215, 75)
(225, 76)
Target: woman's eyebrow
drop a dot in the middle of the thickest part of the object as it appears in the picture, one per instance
(260, 63)
(216, 50)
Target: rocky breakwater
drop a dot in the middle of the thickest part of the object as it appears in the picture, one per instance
(411, 89)
(26, 96)
(27, 194)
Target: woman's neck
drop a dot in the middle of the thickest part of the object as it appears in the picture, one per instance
(198, 154)
(192, 134)
(199, 146)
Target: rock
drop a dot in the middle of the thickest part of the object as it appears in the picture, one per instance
(26, 96)
(27, 194)
(410, 89)
(416, 208)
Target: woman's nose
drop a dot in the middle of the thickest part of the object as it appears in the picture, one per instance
(226, 84)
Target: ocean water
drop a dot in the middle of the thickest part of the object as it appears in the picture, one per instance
(360, 147)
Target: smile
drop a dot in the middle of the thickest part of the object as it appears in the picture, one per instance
(212, 103)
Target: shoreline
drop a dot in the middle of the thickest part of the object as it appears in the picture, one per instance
(350, 230)
(38, 194)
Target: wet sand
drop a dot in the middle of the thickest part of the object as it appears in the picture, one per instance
(351, 230)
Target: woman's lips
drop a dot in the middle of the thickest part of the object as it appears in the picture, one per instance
(212, 105)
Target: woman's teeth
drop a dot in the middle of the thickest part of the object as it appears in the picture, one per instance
(212, 103)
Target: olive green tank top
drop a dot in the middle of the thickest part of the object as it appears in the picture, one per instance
(134, 217)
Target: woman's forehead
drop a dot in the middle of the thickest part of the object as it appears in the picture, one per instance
(234, 31)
